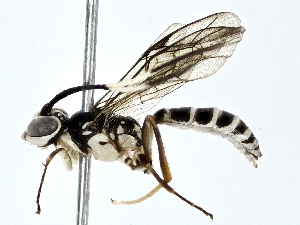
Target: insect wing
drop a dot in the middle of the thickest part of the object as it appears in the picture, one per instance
(192, 52)
(106, 102)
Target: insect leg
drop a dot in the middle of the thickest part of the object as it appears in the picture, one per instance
(150, 127)
(165, 168)
(48, 160)
(171, 190)
(139, 200)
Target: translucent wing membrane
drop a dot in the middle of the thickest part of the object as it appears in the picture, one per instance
(192, 52)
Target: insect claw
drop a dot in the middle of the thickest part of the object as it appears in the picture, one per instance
(115, 202)
(38, 212)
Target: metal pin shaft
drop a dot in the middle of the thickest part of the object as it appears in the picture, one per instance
(89, 67)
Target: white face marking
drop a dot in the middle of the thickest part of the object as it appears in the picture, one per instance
(41, 129)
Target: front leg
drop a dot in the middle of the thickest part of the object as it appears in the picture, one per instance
(48, 160)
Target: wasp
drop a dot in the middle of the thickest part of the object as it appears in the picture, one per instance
(181, 54)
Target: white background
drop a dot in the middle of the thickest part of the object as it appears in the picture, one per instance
(41, 50)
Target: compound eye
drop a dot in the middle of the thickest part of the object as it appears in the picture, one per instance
(42, 126)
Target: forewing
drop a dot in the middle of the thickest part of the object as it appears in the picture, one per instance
(192, 52)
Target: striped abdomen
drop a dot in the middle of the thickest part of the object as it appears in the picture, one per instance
(214, 121)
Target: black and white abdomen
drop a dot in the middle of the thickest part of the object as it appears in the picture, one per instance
(214, 121)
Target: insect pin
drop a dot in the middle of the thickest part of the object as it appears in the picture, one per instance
(181, 54)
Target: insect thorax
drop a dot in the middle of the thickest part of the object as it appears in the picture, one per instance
(107, 137)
